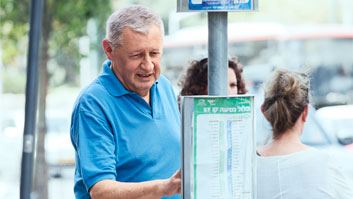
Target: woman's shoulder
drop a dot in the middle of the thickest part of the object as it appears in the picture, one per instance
(311, 159)
(309, 156)
(323, 155)
(314, 156)
(317, 153)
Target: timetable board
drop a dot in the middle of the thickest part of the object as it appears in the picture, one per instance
(218, 147)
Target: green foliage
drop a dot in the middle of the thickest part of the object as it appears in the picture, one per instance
(65, 22)
(14, 16)
(70, 19)
(17, 10)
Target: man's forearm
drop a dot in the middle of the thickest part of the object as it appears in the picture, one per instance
(110, 189)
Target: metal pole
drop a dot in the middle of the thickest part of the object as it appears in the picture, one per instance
(31, 98)
(218, 53)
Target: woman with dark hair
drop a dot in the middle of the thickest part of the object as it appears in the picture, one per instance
(287, 168)
(195, 81)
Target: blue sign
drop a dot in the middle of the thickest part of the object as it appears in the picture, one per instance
(241, 5)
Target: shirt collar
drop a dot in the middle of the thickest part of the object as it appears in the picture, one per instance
(111, 83)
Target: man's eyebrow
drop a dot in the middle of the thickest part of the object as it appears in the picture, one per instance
(156, 49)
(135, 51)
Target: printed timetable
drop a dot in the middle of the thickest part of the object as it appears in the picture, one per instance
(222, 165)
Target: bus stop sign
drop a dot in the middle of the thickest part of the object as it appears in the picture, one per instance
(217, 5)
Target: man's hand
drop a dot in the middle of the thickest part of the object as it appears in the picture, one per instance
(173, 184)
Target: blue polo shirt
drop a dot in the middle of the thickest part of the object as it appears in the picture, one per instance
(117, 135)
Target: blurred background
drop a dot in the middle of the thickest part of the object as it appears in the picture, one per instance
(314, 35)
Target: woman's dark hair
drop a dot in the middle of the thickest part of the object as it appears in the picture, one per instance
(195, 81)
(286, 96)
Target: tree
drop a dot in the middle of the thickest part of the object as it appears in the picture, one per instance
(63, 23)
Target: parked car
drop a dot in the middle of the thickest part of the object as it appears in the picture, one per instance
(59, 152)
(339, 121)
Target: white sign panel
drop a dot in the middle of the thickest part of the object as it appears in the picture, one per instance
(220, 163)
(217, 5)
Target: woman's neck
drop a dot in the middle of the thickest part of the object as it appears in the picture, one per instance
(289, 142)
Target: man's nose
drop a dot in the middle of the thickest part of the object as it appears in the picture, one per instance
(147, 64)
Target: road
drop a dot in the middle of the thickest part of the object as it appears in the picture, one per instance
(10, 172)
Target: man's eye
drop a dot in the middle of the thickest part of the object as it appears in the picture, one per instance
(136, 55)
(154, 53)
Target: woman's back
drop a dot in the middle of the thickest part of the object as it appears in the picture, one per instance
(305, 174)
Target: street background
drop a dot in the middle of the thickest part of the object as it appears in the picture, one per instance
(316, 35)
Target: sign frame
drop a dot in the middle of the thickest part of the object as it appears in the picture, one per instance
(217, 6)
(187, 139)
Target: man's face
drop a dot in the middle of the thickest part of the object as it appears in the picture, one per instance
(136, 62)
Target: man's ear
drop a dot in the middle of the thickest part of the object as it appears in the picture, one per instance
(107, 48)
(305, 113)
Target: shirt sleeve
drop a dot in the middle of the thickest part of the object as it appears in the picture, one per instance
(95, 144)
(341, 184)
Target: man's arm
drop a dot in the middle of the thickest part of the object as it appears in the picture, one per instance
(110, 189)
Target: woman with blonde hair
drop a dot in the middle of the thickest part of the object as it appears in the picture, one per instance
(287, 168)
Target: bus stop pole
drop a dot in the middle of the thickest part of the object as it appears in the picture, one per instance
(218, 53)
(31, 98)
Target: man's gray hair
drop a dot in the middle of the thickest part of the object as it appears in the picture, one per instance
(138, 18)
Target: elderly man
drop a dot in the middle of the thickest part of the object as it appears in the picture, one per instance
(126, 125)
